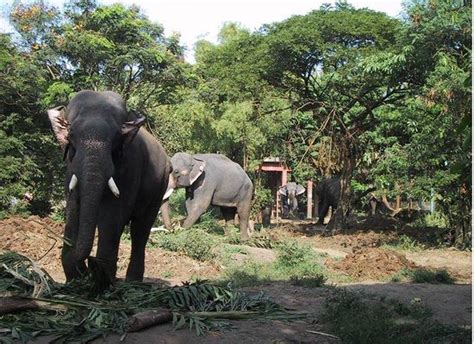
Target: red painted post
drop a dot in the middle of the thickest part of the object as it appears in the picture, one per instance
(284, 177)
(277, 215)
(309, 196)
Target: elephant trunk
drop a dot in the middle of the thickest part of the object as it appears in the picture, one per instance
(293, 202)
(92, 185)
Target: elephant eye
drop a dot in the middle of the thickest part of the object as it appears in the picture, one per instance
(71, 152)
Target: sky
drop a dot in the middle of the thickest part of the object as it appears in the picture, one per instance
(197, 19)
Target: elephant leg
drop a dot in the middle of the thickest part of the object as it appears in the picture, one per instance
(195, 208)
(110, 230)
(165, 214)
(229, 216)
(244, 213)
(139, 232)
(323, 209)
(72, 268)
(228, 213)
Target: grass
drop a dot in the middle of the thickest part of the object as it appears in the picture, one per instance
(295, 262)
(423, 275)
(405, 243)
(193, 242)
(356, 318)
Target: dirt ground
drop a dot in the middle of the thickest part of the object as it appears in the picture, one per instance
(358, 255)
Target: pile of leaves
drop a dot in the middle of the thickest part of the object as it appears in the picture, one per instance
(72, 312)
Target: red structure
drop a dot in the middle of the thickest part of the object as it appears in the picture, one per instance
(276, 175)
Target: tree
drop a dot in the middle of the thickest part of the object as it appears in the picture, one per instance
(58, 53)
(339, 65)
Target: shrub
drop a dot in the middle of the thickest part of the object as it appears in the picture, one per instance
(193, 242)
(423, 275)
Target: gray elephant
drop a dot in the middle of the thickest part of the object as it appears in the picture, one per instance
(212, 179)
(327, 194)
(289, 194)
(117, 173)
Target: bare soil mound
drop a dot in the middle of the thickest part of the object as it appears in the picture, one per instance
(373, 264)
(35, 237)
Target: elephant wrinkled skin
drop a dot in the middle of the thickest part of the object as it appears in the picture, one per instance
(289, 194)
(117, 173)
(212, 179)
(327, 194)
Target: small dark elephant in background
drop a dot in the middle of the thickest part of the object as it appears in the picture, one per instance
(212, 179)
(117, 173)
(289, 194)
(327, 194)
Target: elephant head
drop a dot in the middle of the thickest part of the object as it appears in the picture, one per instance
(291, 190)
(186, 169)
(92, 131)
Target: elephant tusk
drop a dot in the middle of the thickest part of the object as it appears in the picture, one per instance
(113, 187)
(168, 194)
(72, 183)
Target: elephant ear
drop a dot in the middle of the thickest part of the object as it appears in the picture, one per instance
(57, 117)
(300, 189)
(197, 170)
(283, 190)
(130, 129)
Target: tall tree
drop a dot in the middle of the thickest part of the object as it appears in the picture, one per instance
(339, 64)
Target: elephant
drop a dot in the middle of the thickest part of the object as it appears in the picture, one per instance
(117, 173)
(289, 194)
(212, 179)
(327, 194)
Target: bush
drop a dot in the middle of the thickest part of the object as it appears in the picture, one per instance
(291, 253)
(262, 198)
(194, 243)
(296, 263)
(404, 242)
(424, 275)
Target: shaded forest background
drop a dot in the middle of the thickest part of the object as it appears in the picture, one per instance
(380, 101)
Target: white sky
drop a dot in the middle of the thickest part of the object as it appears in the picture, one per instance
(196, 19)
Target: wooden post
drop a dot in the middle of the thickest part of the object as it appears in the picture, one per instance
(309, 196)
(277, 211)
(284, 177)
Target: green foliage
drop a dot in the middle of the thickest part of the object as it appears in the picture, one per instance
(194, 242)
(262, 198)
(291, 253)
(404, 242)
(385, 101)
(199, 305)
(296, 263)
(357, 319)
(423, 275)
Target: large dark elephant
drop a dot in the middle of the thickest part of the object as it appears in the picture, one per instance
(327, 194)
(117, 173)
(289, 194)
(212, 179)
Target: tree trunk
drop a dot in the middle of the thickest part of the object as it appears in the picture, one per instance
(339, 223)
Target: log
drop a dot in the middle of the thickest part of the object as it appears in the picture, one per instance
(18, 304)
(142, 320)
(12, 305)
